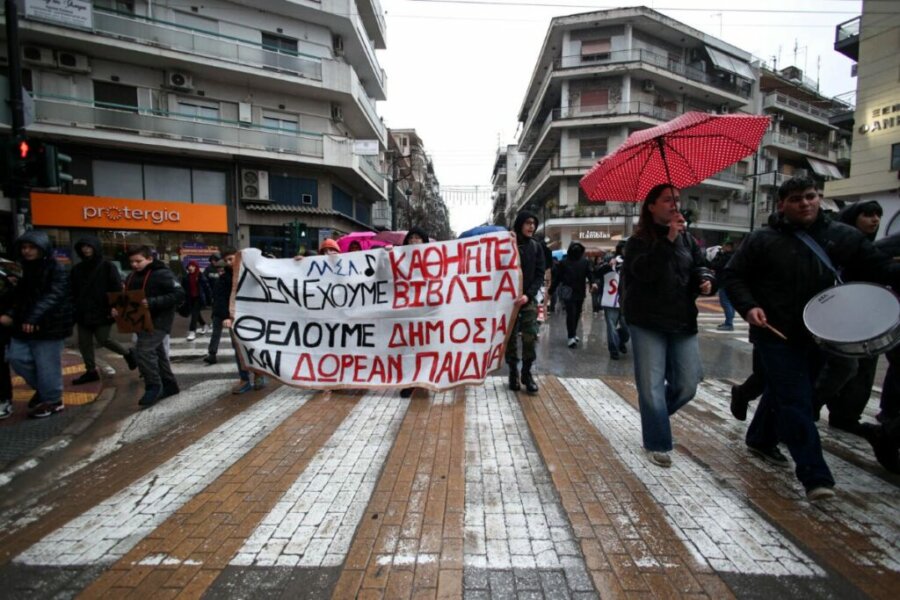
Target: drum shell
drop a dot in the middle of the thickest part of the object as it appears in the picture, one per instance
(873, 346)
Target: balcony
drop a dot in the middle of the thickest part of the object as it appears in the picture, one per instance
(710, 215)
(588, 211)
(800, 143)
(772, 179)
(846, 38)
(798, 107)
(339, 153)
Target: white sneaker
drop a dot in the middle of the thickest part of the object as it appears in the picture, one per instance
(202, 330)
(573, 342)
(6, 410)
(819, 493)
(663, 459)
(192, 335)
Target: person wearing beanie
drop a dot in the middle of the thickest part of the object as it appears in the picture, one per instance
(531, 260)
(329, 246)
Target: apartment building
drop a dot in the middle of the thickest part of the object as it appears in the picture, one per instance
(504, 184)
(416, 192)
(873, 40)
(233, 118)
(601, 76)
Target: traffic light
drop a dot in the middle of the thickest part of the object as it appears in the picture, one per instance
(294, 237)
(33, 164)
(55, 167)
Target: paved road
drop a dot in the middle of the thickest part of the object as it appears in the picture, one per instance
(475, 493)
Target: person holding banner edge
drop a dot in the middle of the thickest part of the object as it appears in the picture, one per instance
(531, 261)
(607, 279)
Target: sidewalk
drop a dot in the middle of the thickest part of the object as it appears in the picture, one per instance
(22, 436)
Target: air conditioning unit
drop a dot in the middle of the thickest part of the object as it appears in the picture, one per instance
(255, 185)
(70, 61)
(723, 109)
(179, 80)
(649, 85)
(337, 44)
(36, 55)
(337, 113)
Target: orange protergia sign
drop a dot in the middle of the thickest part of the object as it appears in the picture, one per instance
(97, 212)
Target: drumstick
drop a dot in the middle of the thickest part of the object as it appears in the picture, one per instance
(776, 332)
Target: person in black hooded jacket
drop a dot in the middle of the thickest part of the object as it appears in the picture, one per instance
(92, 279)
(844, 384)
(415, 235)
(40, 317)
(531, 260)
(574, 273)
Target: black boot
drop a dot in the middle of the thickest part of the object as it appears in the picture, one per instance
(87, 377)
(151, 395)
(514, 378)
(529, 382)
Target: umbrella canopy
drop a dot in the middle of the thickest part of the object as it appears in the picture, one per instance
(392, 238)
(366, 240)
(480, 230)
(682, 152)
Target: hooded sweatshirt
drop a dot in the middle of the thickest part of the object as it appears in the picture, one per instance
(41, 297)
(851, 212)
(531, 257)
(574, 271)
(92, 279)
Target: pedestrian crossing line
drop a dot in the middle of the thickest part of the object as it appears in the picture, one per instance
(108, 531)
(312, 525)
(188, 550)
(222, 355)
(411, 536)
(691, 498)
(829, 531)
(628, 541)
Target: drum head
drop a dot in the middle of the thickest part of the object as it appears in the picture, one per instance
(852, 312)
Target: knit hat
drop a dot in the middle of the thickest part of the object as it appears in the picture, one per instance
(329, 244)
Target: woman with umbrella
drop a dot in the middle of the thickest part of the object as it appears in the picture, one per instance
(664, 273)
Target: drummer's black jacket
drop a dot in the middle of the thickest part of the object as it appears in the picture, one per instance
(774, 270)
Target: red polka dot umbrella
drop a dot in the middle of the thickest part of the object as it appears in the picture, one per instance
(683, 152)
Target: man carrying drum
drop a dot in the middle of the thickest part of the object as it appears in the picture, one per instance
(774, 273)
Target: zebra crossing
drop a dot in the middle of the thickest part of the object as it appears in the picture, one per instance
(515, 518)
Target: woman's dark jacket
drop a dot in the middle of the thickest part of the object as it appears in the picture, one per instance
(659, 282)
(774, 270)
(222, 294)
(162, 291)
(202, 285)
(92, 279)
(42, 296)
(573, 271)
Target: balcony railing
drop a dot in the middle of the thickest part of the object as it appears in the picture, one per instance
(799, 142)
(781, 100)
(773, 179)
(369, 166)
(661, 61)
(609, 209)
(711, 214)
(61, 110)
(729, 175)
(847, 30)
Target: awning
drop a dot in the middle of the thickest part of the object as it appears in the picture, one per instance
(824, 169)
(728, 63)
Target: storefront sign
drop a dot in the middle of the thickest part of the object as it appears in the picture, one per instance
(96, 212)
(593, 234)
(73, 13)
(884, 117)
(432, 315)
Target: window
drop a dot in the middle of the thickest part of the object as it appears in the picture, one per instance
(116, 96)
(595, 49)
(277, 43)
(202, 111)
(593, 148)
(341, 201)
(293, 191)
(895, 157)
(122, 6)
(363, 212)
(158, 182)
(594, 100)
(281, 121)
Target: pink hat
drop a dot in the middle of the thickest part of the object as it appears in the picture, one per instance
(329, 244)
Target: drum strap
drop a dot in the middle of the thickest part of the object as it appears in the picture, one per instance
(819, 252)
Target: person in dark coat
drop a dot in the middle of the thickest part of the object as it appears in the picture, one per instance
(663, 273)
(222, 310)
(198, 294)
(40, 318)
(92, 280)
(772, 276)
(221, 295)
(162, 293)
(573, 276)
(531, 260)
(415, 235)
(845, 384)
(10, 272)
(718, 265)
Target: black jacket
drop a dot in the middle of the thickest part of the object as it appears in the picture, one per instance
(531, 258)
(659, 282)
(41, 297)
(776, 271)
(162, 291)
(221, 294)
(92, 279)
(574, 271)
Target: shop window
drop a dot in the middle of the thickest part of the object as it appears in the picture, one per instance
(895, 157)
(341, 201)
(209, 187)
(116, 96)
(277, 43)
(118, 179)
(167, 183)
(281, 121)
(593, 148)
(363, 212)
(201, 111)
(293, 191)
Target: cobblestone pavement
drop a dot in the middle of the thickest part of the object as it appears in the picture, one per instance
(476, 492)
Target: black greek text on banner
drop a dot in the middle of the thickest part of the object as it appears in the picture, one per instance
(430, 315)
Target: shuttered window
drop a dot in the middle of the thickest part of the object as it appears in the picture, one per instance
(594, 100)
(595, 48)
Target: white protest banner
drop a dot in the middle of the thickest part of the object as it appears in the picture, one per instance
(429, 315)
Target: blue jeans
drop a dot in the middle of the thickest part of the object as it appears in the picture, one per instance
(667, 370)
(785, 410)
(39, 362)
(726, 307)
(616, 329)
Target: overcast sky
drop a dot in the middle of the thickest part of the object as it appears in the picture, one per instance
(457, 69)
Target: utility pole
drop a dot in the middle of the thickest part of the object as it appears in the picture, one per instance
(16, 191)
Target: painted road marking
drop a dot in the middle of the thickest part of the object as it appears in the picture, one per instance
(108, 531)
(314, 522)
(717, 525)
